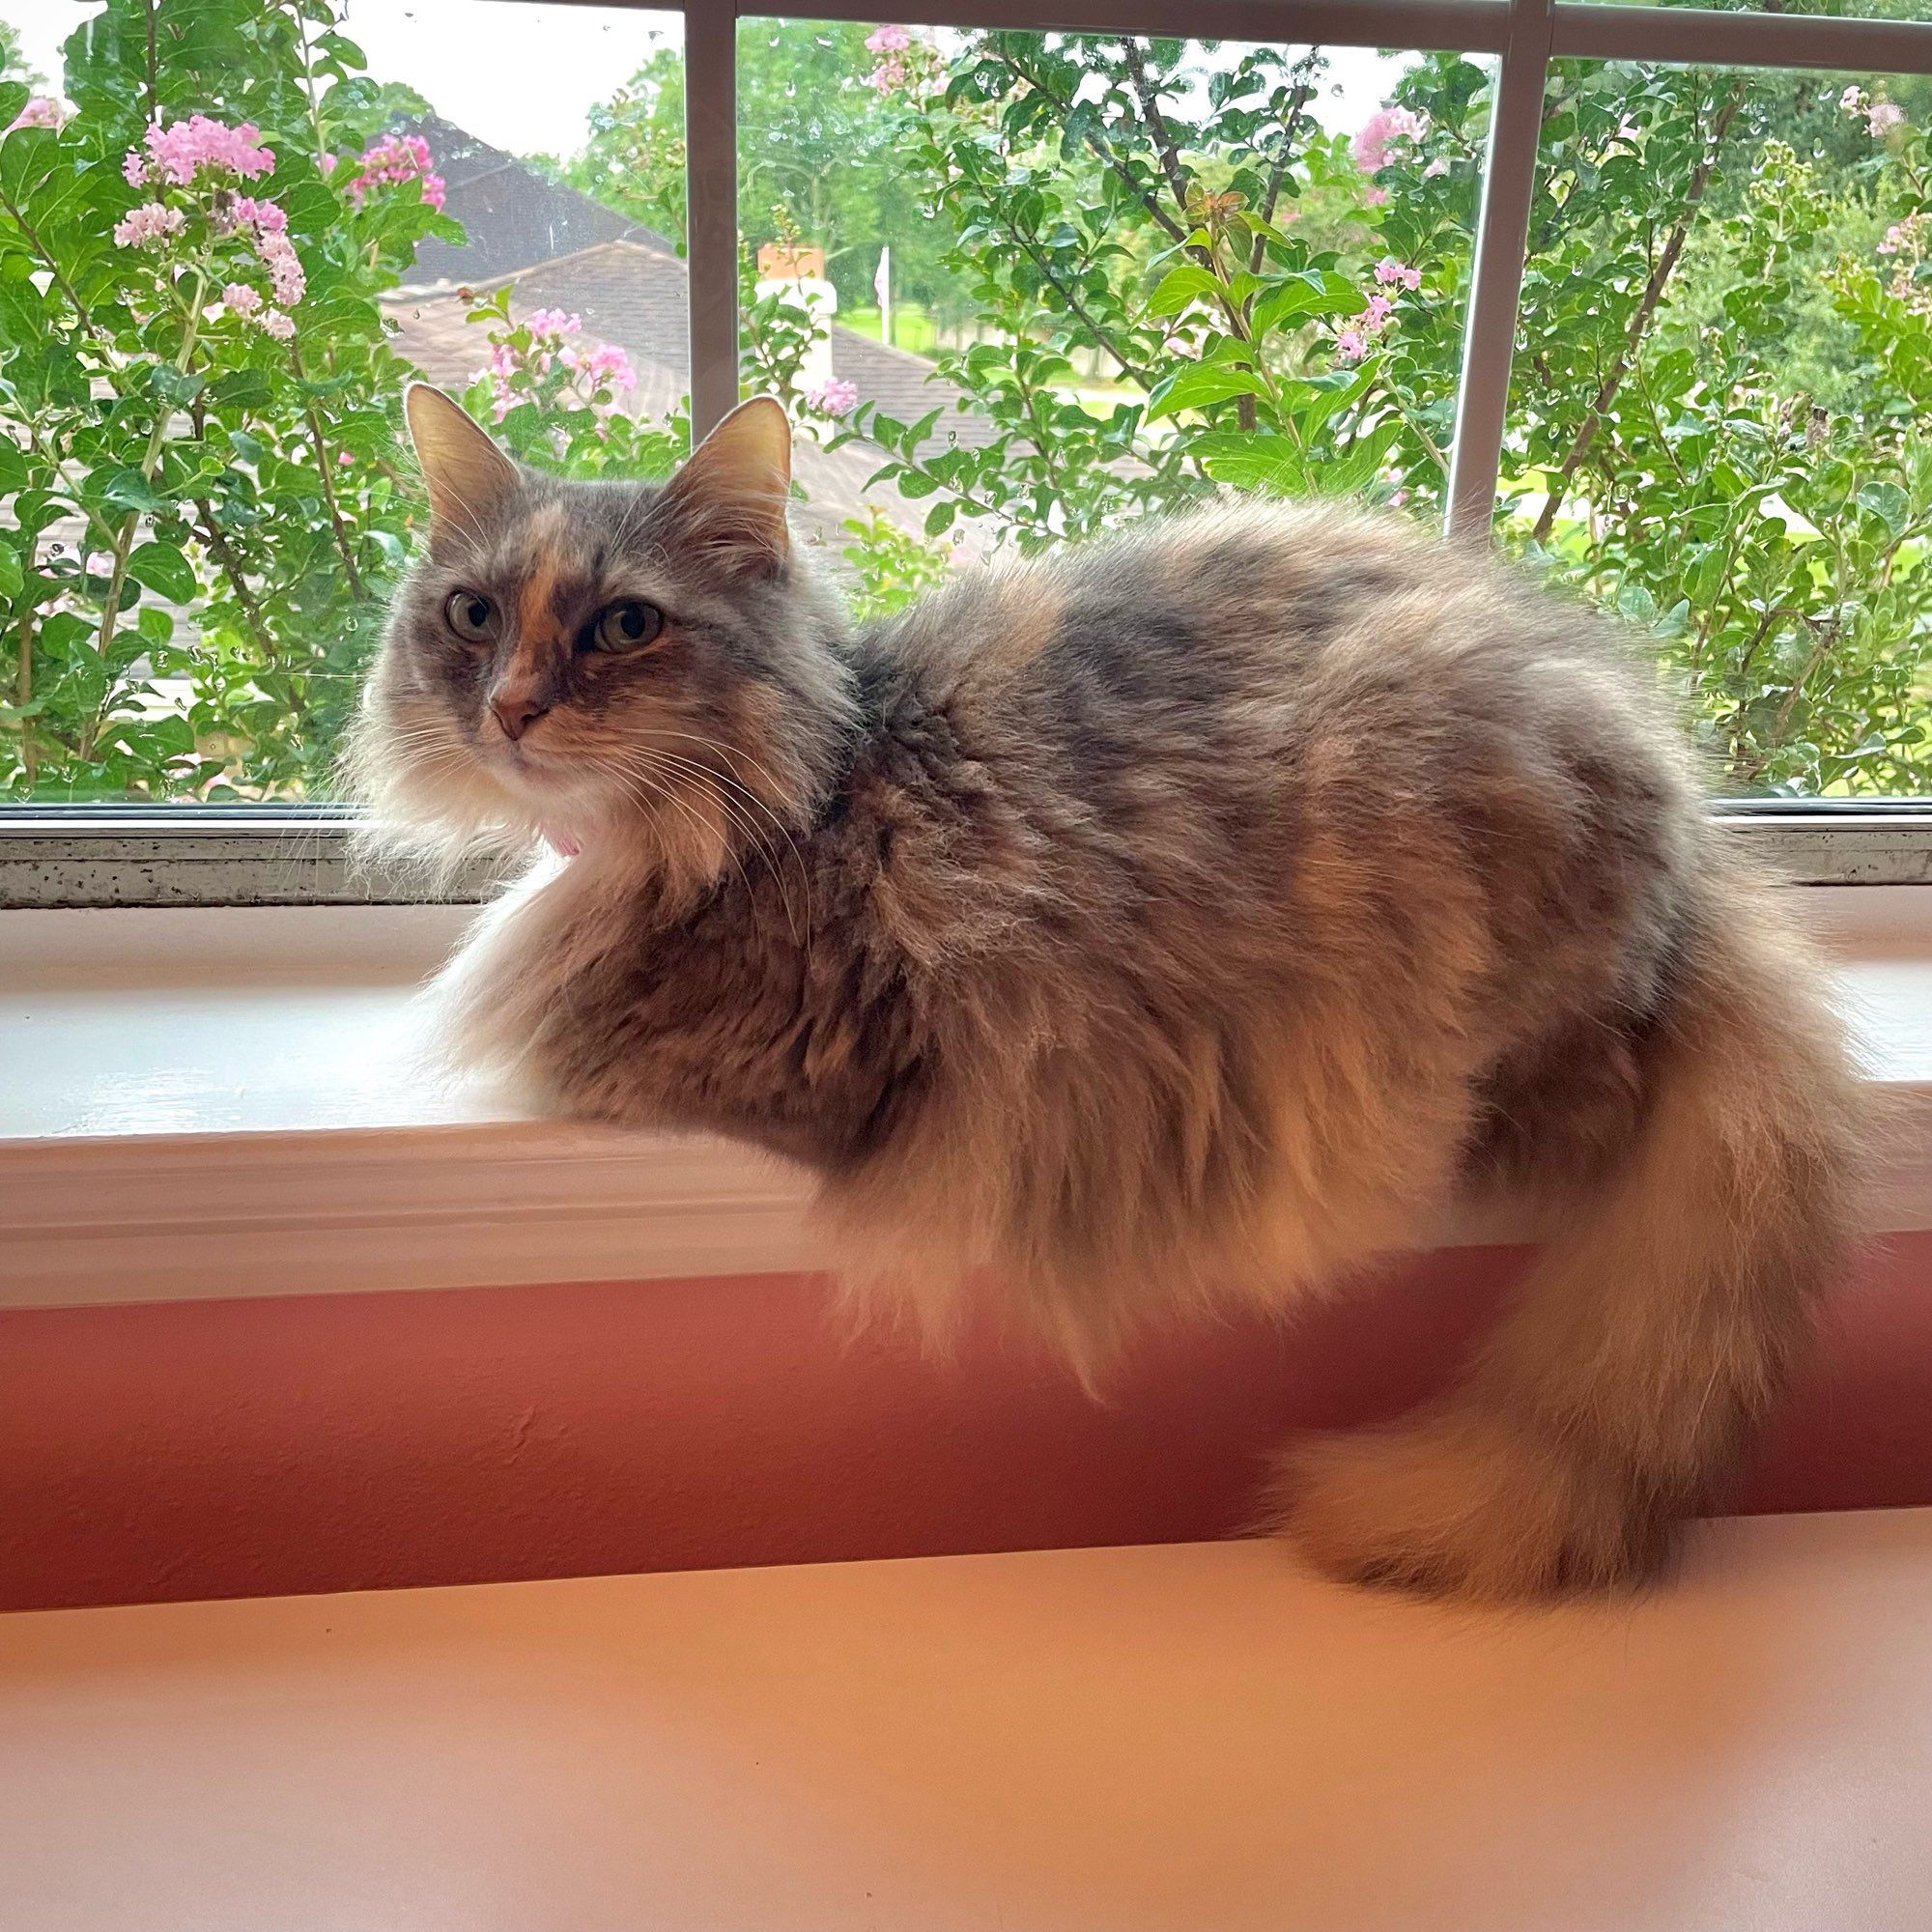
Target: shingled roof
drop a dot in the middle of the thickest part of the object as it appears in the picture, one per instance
(554, 247)
(512, 214)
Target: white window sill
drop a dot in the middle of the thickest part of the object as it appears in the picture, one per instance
(236, 1103)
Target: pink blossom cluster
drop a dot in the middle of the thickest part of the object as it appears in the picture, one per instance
(247, 302)
(1881, 117)
(150, 226)
(1381, 132)
(198, 145)
(398, 157)
(1352, 343)
(1909, 241)
(41, 110)
(1389, 271)
(889, 44)
(836, 396)
(602, 368)
(605, 366)
(268, 227)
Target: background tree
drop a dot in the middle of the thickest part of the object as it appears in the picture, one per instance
(816, 156)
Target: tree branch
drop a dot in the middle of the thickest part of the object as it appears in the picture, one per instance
(1640, 324)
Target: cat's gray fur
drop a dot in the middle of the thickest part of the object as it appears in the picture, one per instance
(1184, 918)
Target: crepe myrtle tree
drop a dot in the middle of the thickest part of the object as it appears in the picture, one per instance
(1183, 283)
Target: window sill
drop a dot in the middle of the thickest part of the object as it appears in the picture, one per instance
(234, 1103)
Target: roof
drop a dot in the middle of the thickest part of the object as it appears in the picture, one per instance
(513, 215)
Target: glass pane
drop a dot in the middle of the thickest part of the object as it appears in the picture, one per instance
(204, 334)
(1016, 287)
(1837, 9)
(1721, 398)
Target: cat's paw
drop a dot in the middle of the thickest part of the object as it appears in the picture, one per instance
(1457, 1503)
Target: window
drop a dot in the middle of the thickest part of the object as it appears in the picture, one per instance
(1663, 327)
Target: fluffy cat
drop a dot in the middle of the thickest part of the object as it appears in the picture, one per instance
(1180, 919)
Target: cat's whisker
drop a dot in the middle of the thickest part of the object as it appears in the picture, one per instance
(735, 815)
(749, 803)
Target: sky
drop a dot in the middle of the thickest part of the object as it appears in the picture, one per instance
(520, 75)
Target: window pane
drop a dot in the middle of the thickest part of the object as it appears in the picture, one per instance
(1840, 10)
(204, 336)
(1722, 395)
(1049, 282)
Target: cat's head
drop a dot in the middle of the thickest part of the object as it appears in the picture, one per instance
(628, 666)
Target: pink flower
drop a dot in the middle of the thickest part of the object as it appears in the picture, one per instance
(41, 110)
(133, 167)
(399, 158)
(1438, 166)
(1374, 197)
(608, 363)
(1375, 318)
(554, 324)
(239, 298)
(1851, 101)
(888, 77)
(285, 270)
(1389, 270)
(1380, 133)
(1351, 345)
(263, 216)
(149, 226)
(888, 41)
(833, 397)
(1397, 500)
(1884, 117)
(190, 146)
(281, 327)
(343, 457)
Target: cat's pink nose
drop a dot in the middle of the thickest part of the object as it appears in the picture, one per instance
(516, 713)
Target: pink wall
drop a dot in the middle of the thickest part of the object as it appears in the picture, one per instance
(255, 1446)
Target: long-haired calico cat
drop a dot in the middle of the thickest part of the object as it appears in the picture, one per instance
(1185, 917)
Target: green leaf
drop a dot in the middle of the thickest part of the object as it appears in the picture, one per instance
(1178, 287)
(1312, 292)
(163, 569)
(1195, 388)
(1260, 460)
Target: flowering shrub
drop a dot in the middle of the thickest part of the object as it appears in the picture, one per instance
(197, 401)
(1275, 308)
(397, 158)
(556, 398)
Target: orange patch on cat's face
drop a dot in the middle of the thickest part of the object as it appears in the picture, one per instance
(536, 600)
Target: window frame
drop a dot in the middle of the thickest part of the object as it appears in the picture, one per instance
(97, 855)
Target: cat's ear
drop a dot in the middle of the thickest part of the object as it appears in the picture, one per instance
(470, 478)
(730, 497)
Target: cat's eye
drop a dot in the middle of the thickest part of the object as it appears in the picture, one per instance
(628, 625)
(472, 616)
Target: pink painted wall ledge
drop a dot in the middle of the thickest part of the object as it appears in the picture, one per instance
(269, 1446)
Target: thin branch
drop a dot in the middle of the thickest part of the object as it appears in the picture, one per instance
(1640, 324)
(222, 551)
(335, 525)
(1156, 121)
(1290, 126)
(1103, 149)
(995, 205)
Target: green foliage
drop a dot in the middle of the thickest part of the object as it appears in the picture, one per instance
(163, 448)
(1701, 244)
(1176, 283)
(816, 157)
(1136, 208)
(1672, 462)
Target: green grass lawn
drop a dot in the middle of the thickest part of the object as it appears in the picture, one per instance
(913, 327)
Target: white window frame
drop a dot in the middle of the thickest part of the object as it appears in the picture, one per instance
(189, 855)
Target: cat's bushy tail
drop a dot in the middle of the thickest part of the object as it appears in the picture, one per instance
(1653, 1334)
